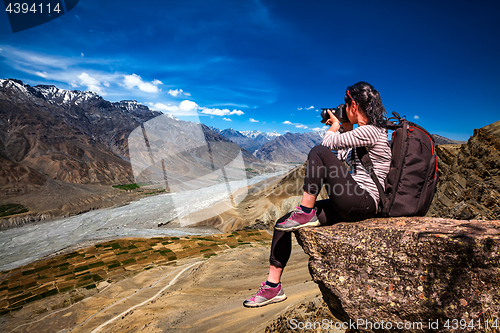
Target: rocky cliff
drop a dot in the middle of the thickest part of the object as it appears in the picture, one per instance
(407, 270)
(469, 177)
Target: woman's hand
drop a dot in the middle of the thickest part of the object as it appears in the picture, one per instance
(333, 122)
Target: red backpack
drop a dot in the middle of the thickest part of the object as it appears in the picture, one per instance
(411, 182)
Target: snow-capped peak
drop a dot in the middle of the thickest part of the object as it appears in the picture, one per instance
(251, 134)
(271, 135)
(255, 134)
(65, 97)
(319, 131)
(14, 84)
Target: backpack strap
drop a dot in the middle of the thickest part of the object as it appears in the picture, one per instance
(391, 122)
(368, 164)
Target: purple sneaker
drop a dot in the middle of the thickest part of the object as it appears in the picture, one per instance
(266, 295)
(298, 219)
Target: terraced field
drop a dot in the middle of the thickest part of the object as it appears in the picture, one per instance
(88, 267)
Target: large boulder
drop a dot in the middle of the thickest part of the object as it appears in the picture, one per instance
(407, 270)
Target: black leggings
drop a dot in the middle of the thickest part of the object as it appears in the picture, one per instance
(347, 202)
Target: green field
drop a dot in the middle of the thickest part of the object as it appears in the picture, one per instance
(11, 209)
(127, 186)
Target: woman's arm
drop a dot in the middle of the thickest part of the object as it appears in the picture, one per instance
(362, 136)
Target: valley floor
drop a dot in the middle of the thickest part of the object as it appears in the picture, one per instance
(197, 293)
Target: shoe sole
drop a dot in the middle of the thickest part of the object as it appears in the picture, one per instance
(308, 224)
(275, 299)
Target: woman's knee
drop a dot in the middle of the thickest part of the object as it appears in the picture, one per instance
(318, 151)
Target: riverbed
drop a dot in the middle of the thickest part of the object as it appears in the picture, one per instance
(23, 245)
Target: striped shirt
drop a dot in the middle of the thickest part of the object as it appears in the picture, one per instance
(375, 140)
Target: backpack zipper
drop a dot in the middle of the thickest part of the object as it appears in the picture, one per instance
(411, 128)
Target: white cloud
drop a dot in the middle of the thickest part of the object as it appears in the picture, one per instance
(318, 129)
(134, 80)
(185, 108)
(178, 92)
(88, 80)
(82, 54)
(297, 125)
(253, 120)
(68, 70)
(309, 108)
(219, 112)
(188, 106)
(92, 83)
(163, 107)
(416, 117)
(226, 119)
(23, 60)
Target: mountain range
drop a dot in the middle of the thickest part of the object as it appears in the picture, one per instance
(441, 140)
(252, 141)
(272, 146)
(64, 143)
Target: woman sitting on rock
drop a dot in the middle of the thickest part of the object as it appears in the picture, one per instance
(353, 196)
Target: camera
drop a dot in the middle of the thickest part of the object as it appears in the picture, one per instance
(339, 112)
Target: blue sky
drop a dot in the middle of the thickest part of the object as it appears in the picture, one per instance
(270, 65)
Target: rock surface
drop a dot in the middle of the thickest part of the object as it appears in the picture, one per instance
(407, 269)
(312, 316)
(469, 177)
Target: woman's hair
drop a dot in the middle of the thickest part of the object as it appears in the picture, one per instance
(369, 100)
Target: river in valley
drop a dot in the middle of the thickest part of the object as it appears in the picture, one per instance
(23, 245)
